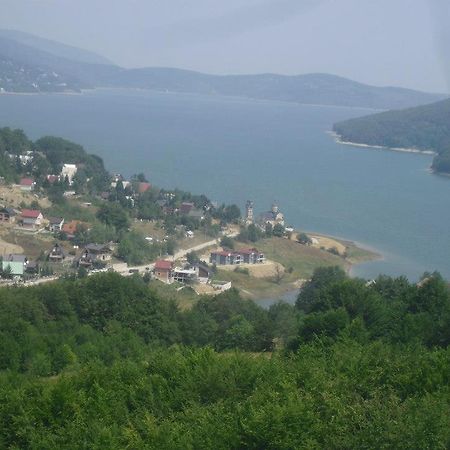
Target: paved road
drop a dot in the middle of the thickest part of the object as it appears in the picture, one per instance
(123, 270)
(178, 255)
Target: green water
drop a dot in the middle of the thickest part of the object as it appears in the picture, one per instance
(236, 149)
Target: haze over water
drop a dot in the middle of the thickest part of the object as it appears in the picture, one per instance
(237, 149)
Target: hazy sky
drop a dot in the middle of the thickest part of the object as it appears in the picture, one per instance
(383, 42)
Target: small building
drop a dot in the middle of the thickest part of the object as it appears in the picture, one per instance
(252, 256)
(231, 257)
(57, 254)
(68, 172)
(196, 213)
(86, 260)
(32, 218)
(14, 263)
(55, 224)
(27, 184)
(186, 207)
(102, 252)
(187, 275)
(225, 258)
(163, 271)
(8, 215)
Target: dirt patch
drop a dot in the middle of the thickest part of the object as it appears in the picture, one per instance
(14, 196)
(6, 248)
(328, 243)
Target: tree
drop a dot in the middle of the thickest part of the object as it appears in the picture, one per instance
(315, 295)
(278, 230)
(304, 239)
(192, 258)
(227, 242)
(113, 214)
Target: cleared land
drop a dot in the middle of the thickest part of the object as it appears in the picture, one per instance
(14, 196)
(296, 263)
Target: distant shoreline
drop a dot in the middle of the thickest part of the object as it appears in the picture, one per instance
(339, 140)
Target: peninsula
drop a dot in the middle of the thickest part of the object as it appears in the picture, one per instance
(423, 129)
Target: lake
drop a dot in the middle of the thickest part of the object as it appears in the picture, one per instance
(236, 149)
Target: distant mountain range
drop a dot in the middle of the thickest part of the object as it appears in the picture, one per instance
(32, 64)
(423, 128)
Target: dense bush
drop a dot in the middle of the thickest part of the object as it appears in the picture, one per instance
(104, 362)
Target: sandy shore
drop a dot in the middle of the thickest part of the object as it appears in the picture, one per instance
(339, 140)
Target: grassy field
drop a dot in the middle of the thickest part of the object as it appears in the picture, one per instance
(299, 262)
(32, 244)
(185, 297)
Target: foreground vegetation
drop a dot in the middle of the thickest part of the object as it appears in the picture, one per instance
(423, 128)
(105, 362)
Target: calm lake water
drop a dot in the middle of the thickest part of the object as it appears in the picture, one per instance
(236, 149)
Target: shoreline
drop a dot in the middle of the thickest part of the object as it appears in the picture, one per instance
(339, 140)
(206, 94)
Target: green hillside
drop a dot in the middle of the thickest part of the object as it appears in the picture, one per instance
(104, 362)
(32, 64)
(424, 128)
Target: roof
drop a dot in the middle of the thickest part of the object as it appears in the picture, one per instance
(163, 265)
(248, 251)
(57, 250)
(143, 187)
(196, 213)
(14, 257)
(223, 253)
(10, 211)
(186, 207)
(96, 248)
(55, 220)
(31, 213)
(26, 182)
(71, 227)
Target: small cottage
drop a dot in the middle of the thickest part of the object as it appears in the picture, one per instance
(27, 184)
(101, 252)
(32, 218)
(163, 271)
(57, 254)
(14, 263)
(55, 224)
(8, 215)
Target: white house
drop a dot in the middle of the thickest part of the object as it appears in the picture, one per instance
(69, 171)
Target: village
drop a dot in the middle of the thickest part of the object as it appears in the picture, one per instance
(64, 215)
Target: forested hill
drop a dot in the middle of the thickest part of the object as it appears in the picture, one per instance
(55, 48)
(104, 362)
(32, 64)
(424, 128)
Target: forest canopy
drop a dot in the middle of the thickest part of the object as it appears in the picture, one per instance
(106, 362)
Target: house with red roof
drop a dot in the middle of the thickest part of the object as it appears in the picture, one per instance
(143, 187)
(32, 218)
(225, 257)
(27, 184)
(70, 228)
(163, 271)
